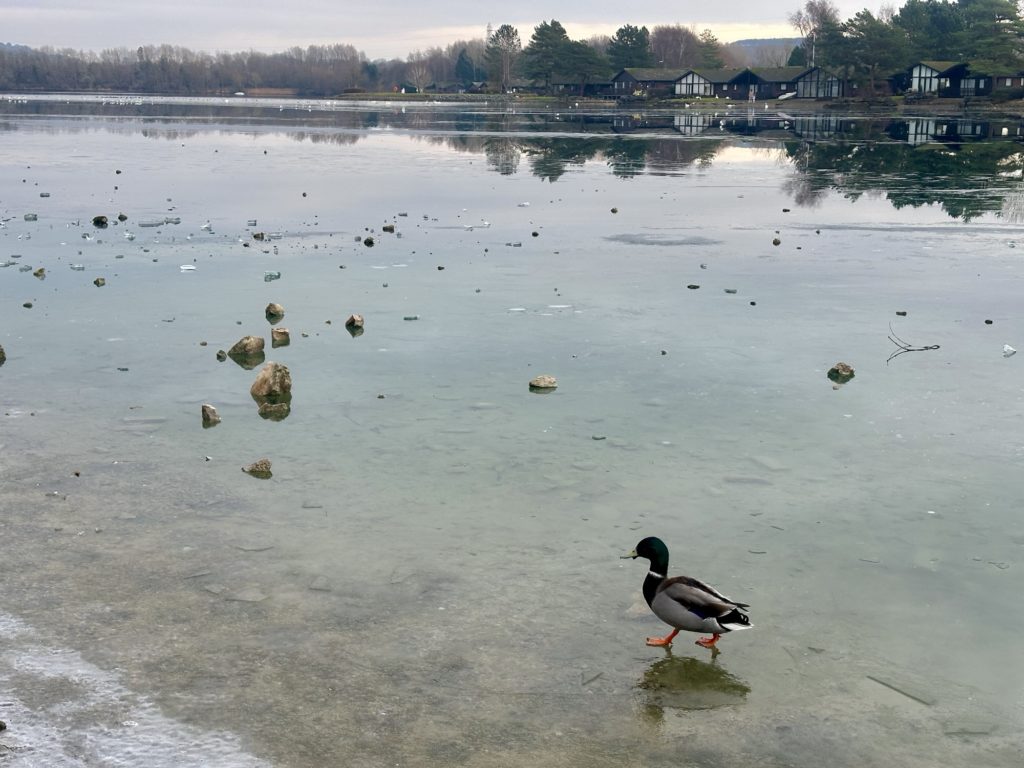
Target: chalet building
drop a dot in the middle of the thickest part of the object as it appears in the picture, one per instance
(975, 85)
(1007, 83)
(602, 86)
(444, 87)
(768, 82)
(645, 81)
(705, 82)
(746, 84)
(938, 78)
(816, 83)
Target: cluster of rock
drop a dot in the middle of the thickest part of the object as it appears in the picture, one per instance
(272, 387)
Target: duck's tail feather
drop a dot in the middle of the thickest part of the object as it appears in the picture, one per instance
(734, 621)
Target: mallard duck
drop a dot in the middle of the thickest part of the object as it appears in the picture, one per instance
(686, 603)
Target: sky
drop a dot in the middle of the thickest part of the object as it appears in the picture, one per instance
(381, 29)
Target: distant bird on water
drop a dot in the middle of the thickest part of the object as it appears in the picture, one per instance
(686, 603)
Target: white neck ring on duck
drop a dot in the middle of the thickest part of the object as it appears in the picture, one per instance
(656, 575)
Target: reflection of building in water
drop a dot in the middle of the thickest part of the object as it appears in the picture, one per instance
(750, 124)
(924, 130)
(695, 123)
(819, 127)
(642, 124)
(808, 127)
(918, 131)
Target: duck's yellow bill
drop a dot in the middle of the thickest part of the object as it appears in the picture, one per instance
(631, 556)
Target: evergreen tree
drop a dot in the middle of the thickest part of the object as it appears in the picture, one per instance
(581, 62)
(464, 69)
(547, 46)
(797, 57)
(630, 47)
(875, 49)
(933, 29)
(710, 51)
(991, 34)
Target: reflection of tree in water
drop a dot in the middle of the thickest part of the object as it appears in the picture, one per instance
(802, 187)
(550, 158)
(1013, 205)
(326, 138)
(682, 682)
(502, 155)
(968, 167)
(666, 156)
(627, 157)
(966, 180)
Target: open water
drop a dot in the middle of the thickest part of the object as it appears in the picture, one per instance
(431, 576)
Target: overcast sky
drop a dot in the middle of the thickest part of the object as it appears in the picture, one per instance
(382, 29)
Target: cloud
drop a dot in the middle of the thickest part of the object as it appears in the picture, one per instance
(384, 29)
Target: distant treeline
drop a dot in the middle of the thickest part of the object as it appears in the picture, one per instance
(329, 70)
(867, 49)
(316, 70)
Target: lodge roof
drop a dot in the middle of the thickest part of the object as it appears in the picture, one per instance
(779, 74)
(942, 66)
(652, 74)
(714, 75)
(767, 74)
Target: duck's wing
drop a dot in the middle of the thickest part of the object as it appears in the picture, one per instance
(697, 597)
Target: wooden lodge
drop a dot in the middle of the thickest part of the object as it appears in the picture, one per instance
(753, 84)
(706, 83)
(644, 82)
(816, 83)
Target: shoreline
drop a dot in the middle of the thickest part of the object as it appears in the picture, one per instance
(895, 105)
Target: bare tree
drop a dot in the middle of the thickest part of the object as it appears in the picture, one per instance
(503, 51)
(763, 55)
(811, 20)
(418, 70)
(599, 43)
(674, 46)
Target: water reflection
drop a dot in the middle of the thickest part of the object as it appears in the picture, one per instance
(909, 160)
(248, 361)
(683, 682)
(965, 177)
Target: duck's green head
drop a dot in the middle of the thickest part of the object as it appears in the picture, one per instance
(653, 549)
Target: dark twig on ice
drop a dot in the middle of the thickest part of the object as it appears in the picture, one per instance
(904, 346)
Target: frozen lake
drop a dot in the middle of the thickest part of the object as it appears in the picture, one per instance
(431, 576)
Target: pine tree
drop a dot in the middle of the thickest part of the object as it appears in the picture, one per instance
(630, 47)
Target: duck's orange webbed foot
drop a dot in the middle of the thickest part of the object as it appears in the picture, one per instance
(708, 642)
(663, 641)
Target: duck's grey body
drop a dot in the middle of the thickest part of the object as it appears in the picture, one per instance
(693, 606)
